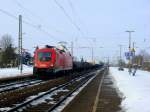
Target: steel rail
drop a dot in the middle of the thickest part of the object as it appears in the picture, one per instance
(46, 93)
(69, 94)
(14, 83)
(24, 84)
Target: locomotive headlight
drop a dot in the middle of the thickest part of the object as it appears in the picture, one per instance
(51, 64)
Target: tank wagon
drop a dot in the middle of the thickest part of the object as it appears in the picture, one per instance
(51, 59)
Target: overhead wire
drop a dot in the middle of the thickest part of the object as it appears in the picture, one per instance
(38, 27)
(14, 17)
(72, 7)
(37, 17)
(76, 14)
(25, 10)
(68, 16)
(70, 19)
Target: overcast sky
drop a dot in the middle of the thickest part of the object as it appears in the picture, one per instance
(88, 23)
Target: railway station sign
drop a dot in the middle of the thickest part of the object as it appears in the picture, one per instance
(128, 55)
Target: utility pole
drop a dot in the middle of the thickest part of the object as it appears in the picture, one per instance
(94, 42)
(120, 51)
(129, 31)
(20, 45)
(108, 60)
(72, 48)
(133, 50)
(120, 60)
(92, 55)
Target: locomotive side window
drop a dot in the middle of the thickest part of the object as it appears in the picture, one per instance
(44, 56)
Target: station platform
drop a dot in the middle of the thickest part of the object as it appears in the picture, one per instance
(100, 95)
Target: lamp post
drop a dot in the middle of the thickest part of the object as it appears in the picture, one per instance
(130, 64)
(120, 57)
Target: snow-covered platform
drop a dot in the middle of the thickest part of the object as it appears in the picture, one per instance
(135, 89)
(15, 72)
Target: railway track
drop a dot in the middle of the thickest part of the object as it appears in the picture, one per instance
(18, 85)
(52, 98)
(13, 83)
(14, 79)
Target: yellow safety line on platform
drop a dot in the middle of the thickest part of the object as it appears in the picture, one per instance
(98, 94)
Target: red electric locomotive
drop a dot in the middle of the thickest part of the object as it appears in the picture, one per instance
(51, 60)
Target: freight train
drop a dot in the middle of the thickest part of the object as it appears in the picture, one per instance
(51, 60)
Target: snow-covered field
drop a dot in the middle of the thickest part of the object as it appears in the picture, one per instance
(12, 72)
(136, 89)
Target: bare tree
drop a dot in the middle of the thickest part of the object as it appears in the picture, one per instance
(145, 55)
(143, 60)
(6, 41)
(8, 55)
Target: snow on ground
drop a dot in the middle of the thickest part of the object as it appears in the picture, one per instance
(136, 89)
(12, 72)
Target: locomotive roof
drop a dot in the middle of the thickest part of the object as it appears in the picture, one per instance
(48, 46)
(60, 47)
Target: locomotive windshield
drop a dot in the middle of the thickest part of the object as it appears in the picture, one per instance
(44, 56)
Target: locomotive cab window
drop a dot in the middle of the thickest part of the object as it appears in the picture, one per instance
(44, 56)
